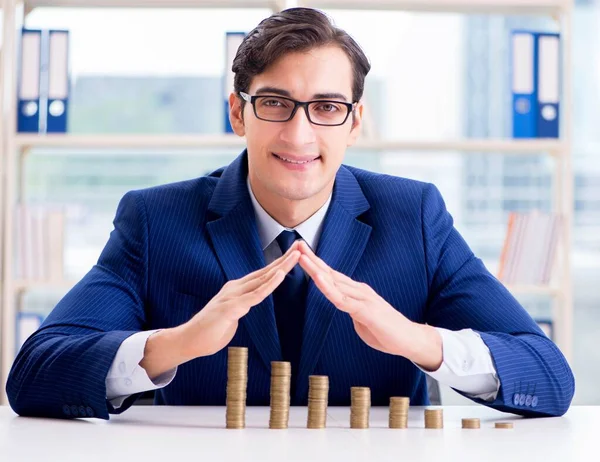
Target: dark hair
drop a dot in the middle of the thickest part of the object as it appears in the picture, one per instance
(293, 30)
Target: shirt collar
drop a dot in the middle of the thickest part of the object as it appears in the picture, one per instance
(269, 228)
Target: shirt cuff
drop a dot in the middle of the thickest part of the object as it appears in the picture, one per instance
(467, 364)
(126, 377)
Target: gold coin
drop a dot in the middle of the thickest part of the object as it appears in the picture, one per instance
(237, 381)
(434, 418)
(281, 379)
(318, 391)
(360, 406)
(399, 406)
(504, 425)
(471, 423)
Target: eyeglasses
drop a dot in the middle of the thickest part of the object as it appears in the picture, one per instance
(324, 112)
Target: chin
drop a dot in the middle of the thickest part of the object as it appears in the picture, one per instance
(296, 193)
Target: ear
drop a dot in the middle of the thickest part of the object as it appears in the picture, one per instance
(236, 117)
(356, 124)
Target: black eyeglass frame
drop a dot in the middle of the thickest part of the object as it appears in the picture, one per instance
(252, 100)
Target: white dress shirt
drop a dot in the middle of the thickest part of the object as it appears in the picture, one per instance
(467, 363)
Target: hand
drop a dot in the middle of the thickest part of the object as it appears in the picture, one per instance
(213, 327)
(376, 322)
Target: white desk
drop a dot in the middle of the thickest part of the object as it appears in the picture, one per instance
(181, 434)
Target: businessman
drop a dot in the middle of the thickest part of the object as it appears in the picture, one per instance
(340, 271)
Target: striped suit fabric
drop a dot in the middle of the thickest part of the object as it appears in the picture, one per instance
(174, 246)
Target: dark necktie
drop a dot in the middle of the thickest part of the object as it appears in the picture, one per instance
(290, 301)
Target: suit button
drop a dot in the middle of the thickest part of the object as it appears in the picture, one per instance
(516, 399)
(82, 411)
(528, 400)
(74, 410)
(89, 411)
(66, 410)
(534, 401)
(128, 382)
(521, 399)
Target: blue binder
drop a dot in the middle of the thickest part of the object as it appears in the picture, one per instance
(233, 41)
(524, 89)
(548, 85)
(58, 81)
(28, 93)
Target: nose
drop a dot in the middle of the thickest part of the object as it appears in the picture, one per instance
(298, 131)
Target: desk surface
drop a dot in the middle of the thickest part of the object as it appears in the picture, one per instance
(179, 434)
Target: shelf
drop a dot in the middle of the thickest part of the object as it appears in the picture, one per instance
(271, 4)
(508, 146)
(538, 7)
(534, 290)
(472, 146)
(129, 141)
(26, 285)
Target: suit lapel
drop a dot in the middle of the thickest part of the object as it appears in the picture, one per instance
(235, 239)
(234, 235)
(341, 246)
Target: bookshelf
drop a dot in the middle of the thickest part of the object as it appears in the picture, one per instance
(535, 7)
(517, 147)
(14, 147)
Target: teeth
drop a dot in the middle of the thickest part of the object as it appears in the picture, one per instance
(294, 161)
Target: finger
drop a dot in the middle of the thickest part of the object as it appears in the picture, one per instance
(306, 250)
(341, 277)
(327, 286)
(310, 267)
(337, 276)
(261, 272)
(256, 296)
(286, 264)
(313, 270)
(352, 289)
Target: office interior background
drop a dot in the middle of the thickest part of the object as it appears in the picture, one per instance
(435, 76)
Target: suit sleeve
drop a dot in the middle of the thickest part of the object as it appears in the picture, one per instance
(535, 378)
(61, 369)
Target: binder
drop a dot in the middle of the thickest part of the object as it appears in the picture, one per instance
(524, 78)
(233, 40)
(28, 104)
(58, 81)
(548, 84)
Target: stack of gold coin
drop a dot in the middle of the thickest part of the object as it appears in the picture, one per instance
(504, 425)
(318, 392)
(399, 411)
(471, 423)
(360, 406)
(281, 380)
(237, 382)
(434, 418)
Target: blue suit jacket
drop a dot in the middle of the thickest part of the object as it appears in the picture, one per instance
(174, 246)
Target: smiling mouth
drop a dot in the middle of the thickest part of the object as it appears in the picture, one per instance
(296, 161)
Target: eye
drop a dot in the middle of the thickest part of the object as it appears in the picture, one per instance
(329, 107)
(272, 102)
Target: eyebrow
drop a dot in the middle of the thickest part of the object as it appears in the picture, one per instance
(287, 94)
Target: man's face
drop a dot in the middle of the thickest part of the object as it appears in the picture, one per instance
(301, 76)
